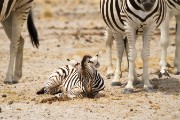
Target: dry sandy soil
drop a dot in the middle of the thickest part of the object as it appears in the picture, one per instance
(71, 29)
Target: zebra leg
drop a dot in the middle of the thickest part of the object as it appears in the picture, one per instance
(177, 51)
(13, 26)
(136, 79)
(119, 54)
(109, 42)
(13, 30)
(75, 92)
(164, 42)
(132, 53)
(19, 60)
(147, 35)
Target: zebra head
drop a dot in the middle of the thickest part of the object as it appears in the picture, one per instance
(86, 74)
(73, 63)
(147, 4)
(91, 61)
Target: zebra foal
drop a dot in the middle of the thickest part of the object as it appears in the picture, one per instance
(13, 14)
(76, 80)
(132, 18)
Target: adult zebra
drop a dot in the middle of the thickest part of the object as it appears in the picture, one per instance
(173, 10)
(13, 14)
(75, 81)
(131, 18)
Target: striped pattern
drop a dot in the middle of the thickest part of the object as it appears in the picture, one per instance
(132, 18)
(6, 7)
(13, 14)
(116, 12)
(69, 80)
(173, 4)
(91, 80)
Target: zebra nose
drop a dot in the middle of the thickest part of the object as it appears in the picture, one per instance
(148, 6)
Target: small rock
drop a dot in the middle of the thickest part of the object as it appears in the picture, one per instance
(131, 110)
(4, 95)
(10, 102)
(33, 99)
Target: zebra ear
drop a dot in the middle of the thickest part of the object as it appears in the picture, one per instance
(77, 64)
(95, 61)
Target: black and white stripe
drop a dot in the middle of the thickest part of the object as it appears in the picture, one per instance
(91, 80)
(69, 80)
(132, 18)
(13, 14)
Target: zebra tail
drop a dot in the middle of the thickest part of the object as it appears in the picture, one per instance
(32, 30)
(41, 91)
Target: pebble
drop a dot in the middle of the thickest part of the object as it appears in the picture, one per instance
(4, 95)
(131, 110)
(10, 102)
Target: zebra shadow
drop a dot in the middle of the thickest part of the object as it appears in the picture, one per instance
(164, 85)
(167, 85)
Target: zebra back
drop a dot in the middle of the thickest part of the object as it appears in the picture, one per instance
(58, 78)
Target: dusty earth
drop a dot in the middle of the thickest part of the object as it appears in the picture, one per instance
(71, 29)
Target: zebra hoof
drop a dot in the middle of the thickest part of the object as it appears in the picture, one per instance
(149, 89)
(14, 82)
(109, 76)
(128, 91)
(8, 82)
(177, 73)
(136, 82)
(116, 84)
(41, 91)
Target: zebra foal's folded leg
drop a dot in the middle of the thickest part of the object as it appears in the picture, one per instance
(177, 42)
(75, 92)
(109, 41)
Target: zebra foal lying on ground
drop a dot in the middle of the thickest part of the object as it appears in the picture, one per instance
(13, 14)
(76, 80)
(132, 18)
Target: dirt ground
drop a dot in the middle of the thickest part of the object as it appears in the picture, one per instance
(71, 29)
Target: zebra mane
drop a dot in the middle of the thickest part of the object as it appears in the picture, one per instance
(85, 60)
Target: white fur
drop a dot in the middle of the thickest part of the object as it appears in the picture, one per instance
(164, 41)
